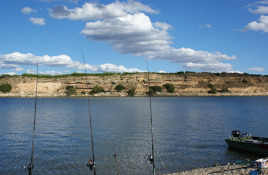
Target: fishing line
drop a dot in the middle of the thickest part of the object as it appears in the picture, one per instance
(91, 163)
(151, 157)
(30, 166)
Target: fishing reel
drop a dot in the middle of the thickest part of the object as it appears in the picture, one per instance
(150, 158)
(28, 167)
(91, 164)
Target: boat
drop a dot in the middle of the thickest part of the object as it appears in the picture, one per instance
(248, 143)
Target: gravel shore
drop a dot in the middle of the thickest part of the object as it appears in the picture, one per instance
(245, 169)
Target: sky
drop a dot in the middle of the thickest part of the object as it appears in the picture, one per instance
(120, 35)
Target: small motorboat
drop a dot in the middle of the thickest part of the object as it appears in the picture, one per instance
(247, 142)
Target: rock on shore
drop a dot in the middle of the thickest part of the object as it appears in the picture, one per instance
(224, 170)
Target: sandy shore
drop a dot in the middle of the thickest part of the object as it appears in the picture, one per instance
(245, 169)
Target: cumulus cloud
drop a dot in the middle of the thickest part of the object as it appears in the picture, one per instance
(256, 69)
(162, 71)
(95, 11)
(130, 31)
(10, 73)
(260, 25)
(114, 68)
(37, 21)
(27, 10)
(11, 61)
(133, 34)
(210, 67)
(260, 7)
(19, 69)
(51, 72)
(259, 10)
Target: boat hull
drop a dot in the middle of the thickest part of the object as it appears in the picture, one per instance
(259, 148)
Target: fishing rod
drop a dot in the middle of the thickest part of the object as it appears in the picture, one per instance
(91, 162)
(151, 157)
(30, 166)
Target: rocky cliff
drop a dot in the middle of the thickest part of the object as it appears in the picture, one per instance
(188, 84)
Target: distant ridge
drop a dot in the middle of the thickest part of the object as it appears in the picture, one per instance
(185, 83)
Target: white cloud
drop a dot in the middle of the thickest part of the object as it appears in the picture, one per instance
(95, 11)
(259, 10)
(113, 68)
(10, 73)
(209, 67)
(205, 26)
(11, 61)
(37, 21)
(260, 7)
(51, 73)
(19, 69)
(256, 69)
(31, 71)
(162, 71)
(129, 34)
(8, 66)
(129, 31)
(27, 10)
(262, 25)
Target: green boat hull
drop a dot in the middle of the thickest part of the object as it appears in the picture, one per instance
(259, 148)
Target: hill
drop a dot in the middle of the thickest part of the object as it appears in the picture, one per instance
(185, 84)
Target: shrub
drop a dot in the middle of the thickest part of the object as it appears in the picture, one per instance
(181, 72)
(169, 87)
(212, 89)
(225, 89)
(131, 92)
(70, 90)
(244, 81)
(83, 92)
(5, 87)
(119, 87)
(96, 89)
(154, 89)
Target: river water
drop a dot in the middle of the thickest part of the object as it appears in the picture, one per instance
(188, 133)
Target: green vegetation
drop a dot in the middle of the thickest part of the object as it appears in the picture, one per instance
(181, 72)
(122, 74)
(169, 87)
(212, 89)
(5, 88)
(96, 89)
(224, 89)
(119, 87)
(83, 92)
(244, 81)
(68, 75)
(154, 89)
(131, 92)
(70, 90)
(7, 75)
(189, 72)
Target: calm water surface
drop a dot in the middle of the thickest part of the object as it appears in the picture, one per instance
(189, 132)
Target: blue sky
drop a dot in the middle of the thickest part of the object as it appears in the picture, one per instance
(118, 36)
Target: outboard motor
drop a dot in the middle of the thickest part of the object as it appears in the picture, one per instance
(236, 133)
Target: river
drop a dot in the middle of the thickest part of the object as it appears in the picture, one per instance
(188, 133)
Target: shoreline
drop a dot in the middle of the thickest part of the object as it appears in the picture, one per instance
(244, 169)
(123, 94)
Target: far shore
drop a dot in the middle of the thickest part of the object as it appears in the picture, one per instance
(124, 94)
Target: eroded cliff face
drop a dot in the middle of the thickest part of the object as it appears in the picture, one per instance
(190, 84)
